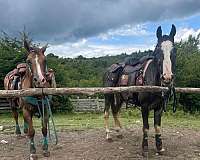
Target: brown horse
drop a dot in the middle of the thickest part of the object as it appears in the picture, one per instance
(33, 74)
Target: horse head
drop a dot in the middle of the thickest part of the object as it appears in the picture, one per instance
(165, 54)
(37, 63)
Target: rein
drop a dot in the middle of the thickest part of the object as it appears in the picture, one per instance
(45, 101)
(168, 95)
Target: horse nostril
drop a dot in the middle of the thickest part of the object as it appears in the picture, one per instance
(43, 80)
(35, 79)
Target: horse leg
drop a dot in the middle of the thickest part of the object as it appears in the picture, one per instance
(108, 98)
(31, 132)
(45, 120)
(145, 114)
(25, 126)
(157, 124)
(15, 115)
(115, 112)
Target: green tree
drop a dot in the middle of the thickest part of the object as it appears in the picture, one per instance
(188, 75)
(11, 53)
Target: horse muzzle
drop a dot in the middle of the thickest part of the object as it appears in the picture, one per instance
(39, 83)
(167, 79)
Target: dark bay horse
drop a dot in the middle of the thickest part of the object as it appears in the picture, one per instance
(32, 74)
(157, 70)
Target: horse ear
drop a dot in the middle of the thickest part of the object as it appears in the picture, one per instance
(173, 31)
(26, 45)
(159, 32)
(43, 49)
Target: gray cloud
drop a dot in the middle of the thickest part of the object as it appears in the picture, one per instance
(68, 20)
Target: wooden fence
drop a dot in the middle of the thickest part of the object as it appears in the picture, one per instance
(79, 105)
(4, 105)
(88, 105)
(89, 91)
(91, 104)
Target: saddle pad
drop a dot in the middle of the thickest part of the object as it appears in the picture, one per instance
(130, 69)
(36, 101)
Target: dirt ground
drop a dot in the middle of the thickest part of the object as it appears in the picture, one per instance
(91, 145)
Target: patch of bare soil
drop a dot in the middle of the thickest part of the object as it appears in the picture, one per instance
(91, 145)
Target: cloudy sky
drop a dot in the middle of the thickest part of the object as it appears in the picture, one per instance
(94, 28)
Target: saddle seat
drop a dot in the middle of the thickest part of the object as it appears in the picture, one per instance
(133, 75)
(133, 72)
(137, 61)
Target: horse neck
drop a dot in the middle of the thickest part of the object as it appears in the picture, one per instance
(27, 80)
(152, 74)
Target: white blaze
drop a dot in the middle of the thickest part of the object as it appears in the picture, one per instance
(38, 68)
(166, 46)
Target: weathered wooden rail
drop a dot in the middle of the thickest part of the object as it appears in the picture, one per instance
(89, 91)
(4, 104)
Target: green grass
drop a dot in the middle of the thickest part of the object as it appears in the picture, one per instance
(128, 117)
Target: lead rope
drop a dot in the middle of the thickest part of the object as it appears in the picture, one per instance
(39, 110)
(50, 115)
(43, 112)
(168, 94)
(174, 99)
(52, 120)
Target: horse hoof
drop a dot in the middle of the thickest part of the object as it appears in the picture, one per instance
(109, 139)
(120, 136)
(46, 153)
(25, 131)
(160, 152)
(18, 132)
(117, 129)
(33, 157)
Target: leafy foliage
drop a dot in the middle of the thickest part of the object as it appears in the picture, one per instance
(188, 75)
(61, 104)
(11, 53)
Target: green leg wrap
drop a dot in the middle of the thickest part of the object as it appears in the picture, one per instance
(32, 147)
(45, 143)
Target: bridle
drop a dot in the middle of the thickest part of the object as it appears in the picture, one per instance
(35, 82)
(166, 95)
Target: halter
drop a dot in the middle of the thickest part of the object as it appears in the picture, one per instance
(34, 75)
(166, 95)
